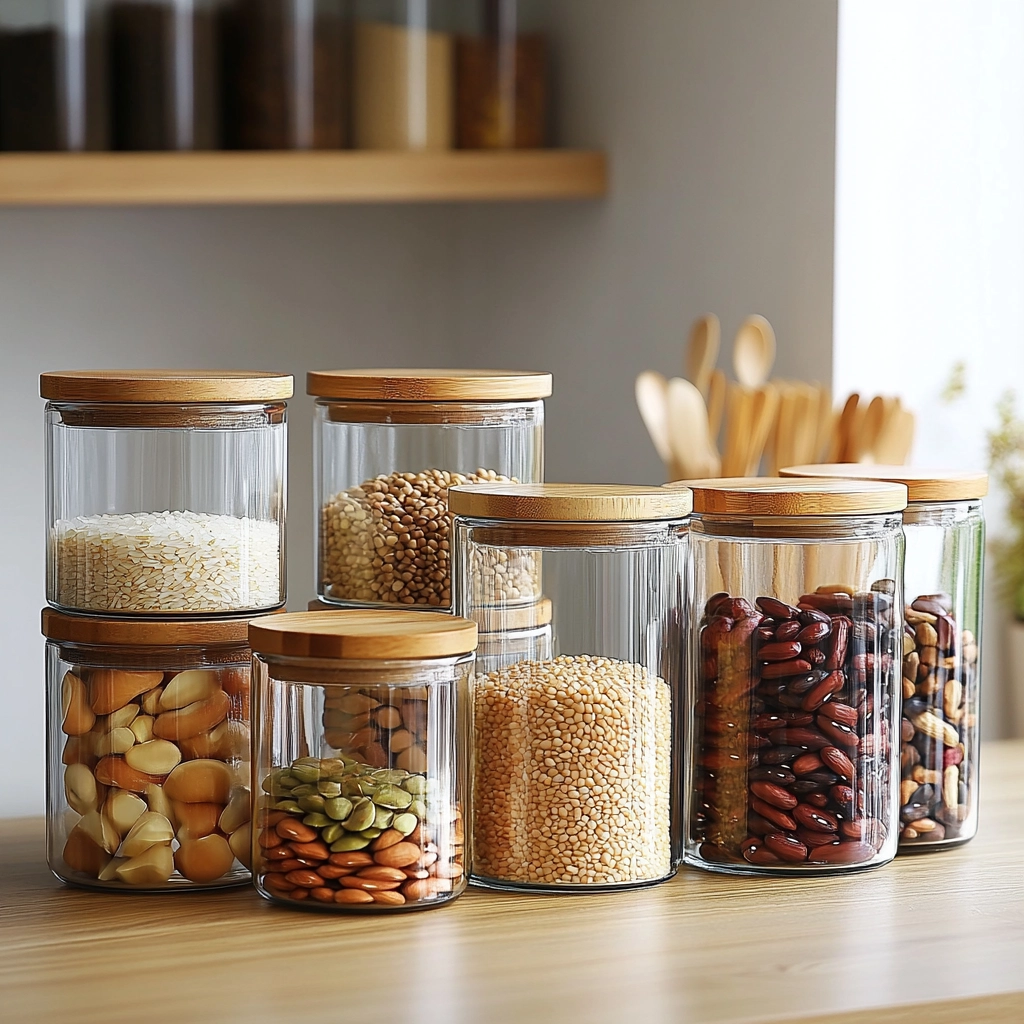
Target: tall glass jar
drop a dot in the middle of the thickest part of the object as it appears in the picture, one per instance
(572, 753)
(403, 75)
(387, 444)
(794, 642)
(147, 752)
(165, 491)
(501, 78)
(284, 73)
(51, 75)
(359, 758)
(944, 576)
(163, 80)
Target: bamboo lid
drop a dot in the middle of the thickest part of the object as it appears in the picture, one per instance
(363, 635)
(570, 503)
(142, 632)
(513, 617)
(429, 385)
(185, 386)
(921, 484)
(773, 496)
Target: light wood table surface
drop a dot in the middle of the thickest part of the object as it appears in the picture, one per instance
(935, 938)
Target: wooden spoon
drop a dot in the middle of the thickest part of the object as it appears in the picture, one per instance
(702, 351)
(753, 351)
(766, 410)
(738, 424)
(868, 430)
(652, 401)
(844, 429)
(688, 431)
(716, 405)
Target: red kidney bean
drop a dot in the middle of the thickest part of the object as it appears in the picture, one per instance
(843, 853)
(842, 735)
(760, 855)
(833, 604)
(821, 777)
(774, 795)
(758, 825)
(808, 615)
(842, 713)
(773, 814)
(767, 721)
(806, 763)
(765, 633)
(815, 655)
(797, 718)
(814, 631)
(781, 669)
(787, 631)
(816, 839)
(842, 795)
(786, 847)
(815, 819)
(799, 685)
(777, 609)
(810, 739)
(714, 602)
(780, 776)
(781, 755)
(817, 799)
(933, 604)
(779, 651)
(737, 608)
(817, 696)
(838, 643)
(835, 759)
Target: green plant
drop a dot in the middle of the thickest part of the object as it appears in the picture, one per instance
(1006, 464)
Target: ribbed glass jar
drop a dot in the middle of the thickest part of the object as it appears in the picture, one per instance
(147, 752)
(944, 578)
(572, 747)
(387, 445)
(795, 634)
(166, 491)
(359, 758)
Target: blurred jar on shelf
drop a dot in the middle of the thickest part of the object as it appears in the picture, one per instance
(163, 81)
(284, 74)
(500, 78)
(51, 76)
(403, 75)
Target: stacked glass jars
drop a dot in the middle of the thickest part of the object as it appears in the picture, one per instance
(387, 444)
(147, 751)
(165, 491)
(945, 538)
(572, 748)
(359, 755)
(795, 641)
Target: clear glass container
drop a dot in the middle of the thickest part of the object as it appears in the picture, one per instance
(147, 752)
(513, 632)
(51, 75)
(501, 78)
(944, 578)
(284, 74)
(165, 491)
(403, 78)
(386, 446)
(360, 758)
(163, 74)
(572, 762)
(793, 695)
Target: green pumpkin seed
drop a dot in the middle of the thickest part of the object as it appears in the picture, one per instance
(393, 775)
(371, 833)
(415, 784)
(316, 820)
(288, 805)
(363, 813)
(306, 789)
(405, 823)
(312, 803)
(332, 833)
(306, 772)
(349, 842)
(393, 797)
(329, 789)
(350, 788)
(339, 807)
(419, 808)
(383, 818)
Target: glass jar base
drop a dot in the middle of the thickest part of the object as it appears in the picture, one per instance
(779, 871)
(182, 885)
(357, 908)
(936, 847)
(539, 889)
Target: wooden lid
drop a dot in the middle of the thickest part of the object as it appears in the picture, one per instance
(186, 386)
(921, 484)
(513, 617)
(569, 503)
(774, 496)
(143, 632)
(363, 635)
(429, 385)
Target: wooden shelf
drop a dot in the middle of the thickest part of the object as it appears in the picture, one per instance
(88, 179)
(934, 938)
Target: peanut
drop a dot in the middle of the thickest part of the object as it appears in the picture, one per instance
(237, 812)
(124, 809)
(80, 789)
(82, 853)
(154, 866)
(119, 741)
(149, 830)
(77, 717)
(240, 842)
(100, 831)
(142, 727)
(195, 820)
(193, 719)
(112, 688)
(115, 771)
(200, 781)
(155, 757)
(205, 859)
(188, 688)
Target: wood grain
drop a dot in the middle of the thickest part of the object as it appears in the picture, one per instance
(429, 385)
(165, 385)
(569, 503)
(931, 938)
(773, 496)
(337, 177)
(138, 632)
(922, 484)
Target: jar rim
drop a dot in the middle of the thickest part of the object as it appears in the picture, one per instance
(923, 485)
(429, 385)
(570, 503)
(779, 496)
(92, 630)
(161, 385)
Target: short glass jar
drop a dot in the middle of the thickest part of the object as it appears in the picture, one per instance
(387, 444)
(165, 491)
(572, 753)
(403, 75)
(796, 626)
(147, 752)
(944, 528)
(359, 758)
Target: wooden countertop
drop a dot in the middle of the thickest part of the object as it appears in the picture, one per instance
(946, 930)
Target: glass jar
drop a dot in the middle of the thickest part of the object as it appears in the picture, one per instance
(165, 491)
(51, 76)
(572, 753)
(501, 79)
(284, 74)
(163, 81)
(945, 537)
(794, 639)
(512, 633)
(147, 752)
(386, 446)
(359, 755)
(402, 75)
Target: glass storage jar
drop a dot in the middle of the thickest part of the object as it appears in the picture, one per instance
(165, 490)
(572, 753)
(386, 446)
(794, 639)
(163, 80)
(944, 529)
(402, 75)
(512, 633)
(359, 758)
(51, 75)
(147, 752)
(284, 75)
(500, 78)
